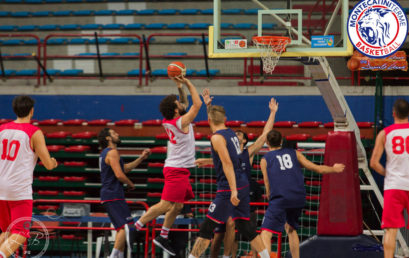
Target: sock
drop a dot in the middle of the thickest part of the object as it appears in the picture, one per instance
(264, 254)
(120, 254)
(139, 225)
(164, 232)
(191, 256)
(226, 256)
(114, 253)
(2, 255)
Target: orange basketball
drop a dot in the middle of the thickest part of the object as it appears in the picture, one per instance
(176, 69)
(353, 64)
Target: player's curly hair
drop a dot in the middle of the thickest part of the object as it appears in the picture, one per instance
(274, 138)
(102, 137)
(245, 137)
(167, 106)
(401, 108)
(22, 105)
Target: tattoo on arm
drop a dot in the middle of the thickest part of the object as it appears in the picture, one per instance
(183, 97)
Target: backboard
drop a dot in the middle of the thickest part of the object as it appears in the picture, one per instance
(314, 29)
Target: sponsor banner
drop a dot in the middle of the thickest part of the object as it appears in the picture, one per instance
(322, 41)
(235, 43)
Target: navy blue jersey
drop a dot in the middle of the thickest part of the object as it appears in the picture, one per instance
(256, 193)
(233, 147)
(245, 163)
(112, 188)
(286, 178)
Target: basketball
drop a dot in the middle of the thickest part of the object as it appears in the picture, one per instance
(176, 69)
(353, 64)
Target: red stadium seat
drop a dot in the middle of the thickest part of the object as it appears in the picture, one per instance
(311, 213)
(207, 195)
(256, 124)
(207, 181)
(47, 207)
(284, 124)
(365, 124)
(320, 138)
(209, 136)
(47, 193)
(159, 150)
(260, 212)
(49, 178)
(74, 122)
(58, 135)
(156, 180)
(75, 163)
(77, 148)
(310, 124)
(208, 166)
(313, 182)
(84, 135)
(155, 165)
(72, 237)
(202, 210)
(154, 195)
(256, 166)
(3, 121)
(99, 122)
(162, 136)
(55, 148)
(260, 182)
(252, 136)
(74, 178)
(234, 123)
(74, 193)
(329, 125)
(312, 197)
(126, 122)
(199, 136)
(202, 123)
(154, 122)
(298, 137)
(49, 122)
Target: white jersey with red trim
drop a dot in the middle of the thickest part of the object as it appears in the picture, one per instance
(181, 150)
(397, 157)
(17, 161)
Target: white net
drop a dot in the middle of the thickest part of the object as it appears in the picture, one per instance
(271, 50)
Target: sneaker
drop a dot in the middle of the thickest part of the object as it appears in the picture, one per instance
(130, 233)
(164, 244)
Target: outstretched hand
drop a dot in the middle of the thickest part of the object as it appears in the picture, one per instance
(207, 99)
(179, 80)
(201, 162)
(273, 105)
(338, 168)
(146, 153)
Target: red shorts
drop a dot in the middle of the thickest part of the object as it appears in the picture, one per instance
(177, 186)
(16, 217)
(394, 202)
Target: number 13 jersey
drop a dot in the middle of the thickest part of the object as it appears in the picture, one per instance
(17, 161)
(397, 157)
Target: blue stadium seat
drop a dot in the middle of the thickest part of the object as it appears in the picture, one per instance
(207, 11)
(135, 72)
(225, 25)
(53, 1)
(21, 14)
(200, 25)
(186, 40)
(27, 28)
(110, 54)
(13, 42)
(212, 72)
(72, 72)
(51, 72)
(73, 1)
(41, 13)
(70, 27)
(168, 12)
(130, 54)
(251, 11)
(78, 41)
(189, 11)
(176, 54)
(91, 26)
(22, 54)
(134, 26)
(33, 1)
(147, 12)
(7, 27)
(86, 54)
(94, 1)
(155, 26)
(26, 72)
(100, 41)
(206, 40)
(190, 72)
(49, 27)
(245, 26)
(13, 1)
(30, 42)
(57, 41)
(136, 41)
(8, 72)
(232, 11)
(4, 13)
(63, 13)
(113, 26)
(83, 12)
(126, 12)
(269, 26)
(105, 12)
(178, 26)
(160, 72)
(121, 41)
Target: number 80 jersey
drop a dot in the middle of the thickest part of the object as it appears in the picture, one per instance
(397, 157)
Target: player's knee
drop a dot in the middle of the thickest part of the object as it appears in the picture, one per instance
(206, 229)
(165, 206)
(230, 223)
(289, 229)
(178, 207)
(246, 229)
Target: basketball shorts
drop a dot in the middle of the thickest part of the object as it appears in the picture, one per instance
(221, 207)
(394, 202)
(221, 228)
(177, 187)
(16, 217)
(119, 213)
(276, 217)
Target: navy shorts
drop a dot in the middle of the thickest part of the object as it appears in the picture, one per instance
(221, 208)
(119, 213)
(276, 217)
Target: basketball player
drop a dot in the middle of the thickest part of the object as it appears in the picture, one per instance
(247, 156)
(113, 176)
(394, 140)
(232, 197)
(181, 157)
(284, 182)
(20, 145)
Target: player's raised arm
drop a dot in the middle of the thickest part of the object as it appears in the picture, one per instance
(207, 99)
(112, 159)
(321, 169)
(263, 166)
(131, 165)
(182, 94)
(219, 145)
(377, 154)
(258, 144)
(41, 150)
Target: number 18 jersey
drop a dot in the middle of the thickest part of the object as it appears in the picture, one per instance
(285, 178)
(397, 157)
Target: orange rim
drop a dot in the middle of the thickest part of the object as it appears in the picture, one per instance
(271, 40)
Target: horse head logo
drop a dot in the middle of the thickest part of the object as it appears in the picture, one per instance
(374, 27)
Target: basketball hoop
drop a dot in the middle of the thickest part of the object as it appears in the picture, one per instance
(271, 48)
